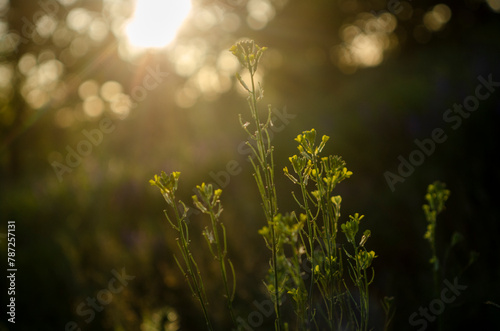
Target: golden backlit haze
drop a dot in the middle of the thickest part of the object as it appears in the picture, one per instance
(154, 24)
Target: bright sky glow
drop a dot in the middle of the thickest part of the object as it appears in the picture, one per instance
(155, 22)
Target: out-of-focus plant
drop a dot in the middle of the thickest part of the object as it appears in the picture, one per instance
(436, 197)
(389, 311)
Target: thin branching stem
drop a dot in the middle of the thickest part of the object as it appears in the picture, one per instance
(268, 192)
(192, 267)
(221, 257)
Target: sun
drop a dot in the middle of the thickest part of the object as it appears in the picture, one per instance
(155, 22)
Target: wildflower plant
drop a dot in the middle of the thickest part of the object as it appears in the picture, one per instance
(310, 237)
(249, 54)
(436, 196)
(168, 185)
(359, 263)
(288, 232)
(317, 177)
(216, 240)
(321, 295)
(208, 202)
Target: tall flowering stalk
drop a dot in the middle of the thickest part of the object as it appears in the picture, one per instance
(248, 54)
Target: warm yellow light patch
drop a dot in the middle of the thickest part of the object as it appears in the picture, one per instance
(155, 23)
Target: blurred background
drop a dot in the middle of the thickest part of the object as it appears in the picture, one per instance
(97, 96)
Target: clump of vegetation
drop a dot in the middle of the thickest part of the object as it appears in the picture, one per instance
(325, 276)
(208, 203)
(310, 237)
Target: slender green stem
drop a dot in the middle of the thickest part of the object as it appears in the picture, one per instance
(311, 235)
(191, 265)
(266, 185)
(221, 256)
(328, 237)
